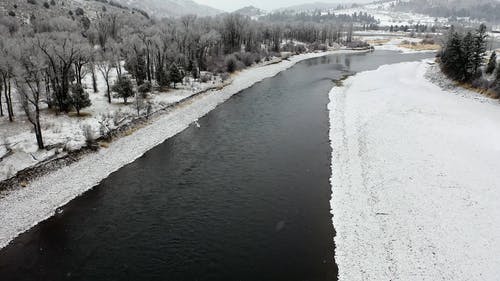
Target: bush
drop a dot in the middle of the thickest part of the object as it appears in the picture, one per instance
(480, 83)
(32, 2)
(428, 41)
(300, 49)
(358, 44)
(205, 77)
(46, 5)
(231, 63)
(12, 14)
(145, 88)
(79, 12)
(247, 58)
(224, 76)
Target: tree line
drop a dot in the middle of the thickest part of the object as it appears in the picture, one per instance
(45, 63)
(462, 58)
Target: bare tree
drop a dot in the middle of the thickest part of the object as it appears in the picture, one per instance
(29, 84)
(105, 65)
(6, 74)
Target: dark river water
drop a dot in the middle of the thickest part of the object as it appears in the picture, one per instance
(243, 197)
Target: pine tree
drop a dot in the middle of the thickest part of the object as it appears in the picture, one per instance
(492, 63)
(124, 89)
(453, 57)
(175, 74)
(468, 50)
(79, 98)
(479, 49)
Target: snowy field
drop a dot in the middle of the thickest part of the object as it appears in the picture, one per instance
(23, 208)
(414, 178)
(387, 16)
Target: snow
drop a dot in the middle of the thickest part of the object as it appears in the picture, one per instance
(20, 209)
(387, 16)
(414, 179)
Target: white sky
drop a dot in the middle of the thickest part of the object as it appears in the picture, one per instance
(231, 5)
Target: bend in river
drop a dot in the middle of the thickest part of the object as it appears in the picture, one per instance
(243, 196)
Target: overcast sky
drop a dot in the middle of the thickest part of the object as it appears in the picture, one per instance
(231, 5)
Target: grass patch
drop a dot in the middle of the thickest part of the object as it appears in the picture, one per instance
(378, 42)
(421, 47)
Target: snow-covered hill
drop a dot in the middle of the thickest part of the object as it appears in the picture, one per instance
(171, 8)
(250, 11)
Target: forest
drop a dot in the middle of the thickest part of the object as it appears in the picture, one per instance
(44, 60)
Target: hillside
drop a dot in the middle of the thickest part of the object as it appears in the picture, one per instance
(309, 7)
(27, 10)
(171, 8)
(250, 11)
(482, 10)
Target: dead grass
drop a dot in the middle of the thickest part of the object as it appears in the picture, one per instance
(485, 92)
(421, 47)
(104, 144)
(378, 42)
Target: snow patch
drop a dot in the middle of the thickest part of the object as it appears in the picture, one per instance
(415, 191)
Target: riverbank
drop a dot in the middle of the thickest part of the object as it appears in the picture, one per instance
(413, 193)
(24, 207)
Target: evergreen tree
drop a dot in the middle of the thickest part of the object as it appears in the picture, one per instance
(453, 57)
(79, 98)
(468, 51)
(175, 74)
(124, 89)
(492, 63)
(479, 49)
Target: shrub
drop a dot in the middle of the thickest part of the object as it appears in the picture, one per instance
(231, 63)
(12, 14)
(300, 49)
(88, 133)
(32, 2)
(428, 41)
(224, 76)
(246, 58)
(46, 5)
(145, 88)
(205, 77)
(480, 83)
(79, 12)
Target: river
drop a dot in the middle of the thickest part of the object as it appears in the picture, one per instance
(243, 195)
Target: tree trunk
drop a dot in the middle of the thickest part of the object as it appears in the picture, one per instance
(8, 99)
(38, 129)
(108, 90)
(94, 79)
(1, 108)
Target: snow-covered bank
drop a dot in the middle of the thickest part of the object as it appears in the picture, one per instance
(415, 191)
(23, 208)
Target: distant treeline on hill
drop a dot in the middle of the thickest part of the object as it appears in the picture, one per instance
(484, 11)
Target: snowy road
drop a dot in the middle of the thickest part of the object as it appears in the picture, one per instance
(415, 180)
